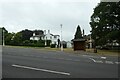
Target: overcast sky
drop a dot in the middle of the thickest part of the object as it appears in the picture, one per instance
(17, 15)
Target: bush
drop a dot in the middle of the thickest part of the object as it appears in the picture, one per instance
(48, 43)
(35, 43)
(53, 45)
(64, 45)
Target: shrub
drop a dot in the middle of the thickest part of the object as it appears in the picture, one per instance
(53, 45)
(48, 43)
(64, 45)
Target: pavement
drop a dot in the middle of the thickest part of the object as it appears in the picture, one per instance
(34, 63)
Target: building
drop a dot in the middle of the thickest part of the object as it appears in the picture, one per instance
(46, 36)
(89, 41)
(79, 44)
(69, 44)
(37, 37)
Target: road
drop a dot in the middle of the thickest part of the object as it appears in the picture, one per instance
(36, 63)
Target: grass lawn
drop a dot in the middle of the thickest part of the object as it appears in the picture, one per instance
(100, 52)
(106, 52)
(70, 50)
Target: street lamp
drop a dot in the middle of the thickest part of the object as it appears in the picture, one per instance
(61, 38)
(3, 38)
(90, 41)
(45, 37)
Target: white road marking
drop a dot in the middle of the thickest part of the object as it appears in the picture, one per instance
(117, 62)
(87, 56)
(99, 62)
(109, 62)
(45, 70)
(90, 56)
(103, 57)
(93, 59)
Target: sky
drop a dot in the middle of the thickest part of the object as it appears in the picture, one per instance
(17, 15)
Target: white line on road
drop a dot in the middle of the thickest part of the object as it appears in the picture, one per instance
(45, 70)
(90, 56)
(87, 56)
(109, 62)
(103, 57)
(99, 62)
(93, 59)
(117, 62)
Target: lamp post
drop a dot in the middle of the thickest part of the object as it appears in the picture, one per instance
(45, 37)
(90, 42)
(61, 38)
(3, 38)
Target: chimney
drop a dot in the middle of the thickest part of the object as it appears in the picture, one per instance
(48, 31)
(45, 32)
(34, 34)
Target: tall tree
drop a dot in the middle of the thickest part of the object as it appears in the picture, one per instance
(38, 32)
(4, 34)
(26, 34)
(8, 38)
(17, 38)
(105, 22)
(0, 36)
(78, 33)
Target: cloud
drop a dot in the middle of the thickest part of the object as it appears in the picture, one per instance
(17, 15)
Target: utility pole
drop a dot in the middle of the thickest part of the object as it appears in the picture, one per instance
(3, 38)
(90, 42)
(61, 38)
(45, 37)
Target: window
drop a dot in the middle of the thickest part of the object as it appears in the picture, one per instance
(55, 36)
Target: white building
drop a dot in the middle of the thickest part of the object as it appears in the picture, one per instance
(37, 37)
(46, 36)
(69, 44)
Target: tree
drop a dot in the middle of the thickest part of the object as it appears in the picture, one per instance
(17, 40)
(4, 33)
(38, 32)
(8, 38)
(58, 43)
(105, 22)
(78, 33)
(0, 36)
(26, 34)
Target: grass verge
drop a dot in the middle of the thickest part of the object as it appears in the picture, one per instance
(70, 50)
